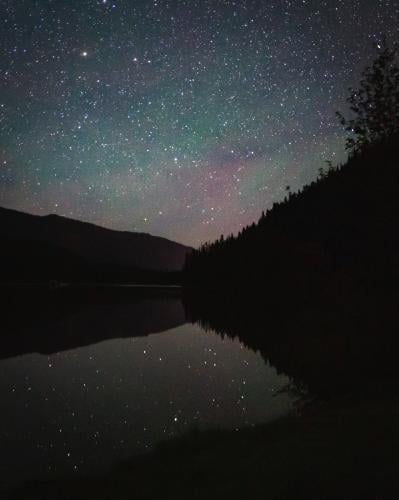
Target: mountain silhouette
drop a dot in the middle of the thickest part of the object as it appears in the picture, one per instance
(313, 285)
(40, 248)
(83, 315)
(338, 232)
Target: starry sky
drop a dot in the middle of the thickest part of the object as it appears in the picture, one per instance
(181, 118)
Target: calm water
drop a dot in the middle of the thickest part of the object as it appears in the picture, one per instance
(84, 409)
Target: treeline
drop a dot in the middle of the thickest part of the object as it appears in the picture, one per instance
(339, 230)
(313, 285)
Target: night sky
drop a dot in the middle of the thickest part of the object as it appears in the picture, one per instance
(184, 119)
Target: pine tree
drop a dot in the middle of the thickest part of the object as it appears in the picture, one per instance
(375, 104)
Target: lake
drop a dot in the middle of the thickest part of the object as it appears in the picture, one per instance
(84, 409)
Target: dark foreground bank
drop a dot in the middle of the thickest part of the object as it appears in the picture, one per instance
(345, 449)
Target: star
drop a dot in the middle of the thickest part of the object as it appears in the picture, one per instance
(126, 115)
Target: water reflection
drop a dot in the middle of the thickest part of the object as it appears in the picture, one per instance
(45, 321)
(83, 409)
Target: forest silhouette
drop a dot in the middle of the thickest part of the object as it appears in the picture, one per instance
(339, 231)
(313, 283)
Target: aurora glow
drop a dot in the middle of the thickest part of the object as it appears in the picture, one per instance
(184, 119)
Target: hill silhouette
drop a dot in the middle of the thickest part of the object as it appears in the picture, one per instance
(35, 248)
(338, 232)
(83, 315)
(313, 284)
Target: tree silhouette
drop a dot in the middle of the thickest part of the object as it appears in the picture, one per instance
(375, 104)
(337, 230)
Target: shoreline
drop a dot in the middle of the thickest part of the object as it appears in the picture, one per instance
(335, 449)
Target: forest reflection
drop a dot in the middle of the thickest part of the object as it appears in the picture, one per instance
(327, 349)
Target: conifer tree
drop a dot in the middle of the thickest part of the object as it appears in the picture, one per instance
(374, 105)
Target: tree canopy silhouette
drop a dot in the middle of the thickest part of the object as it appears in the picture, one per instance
(374, 105)
(337, 233)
